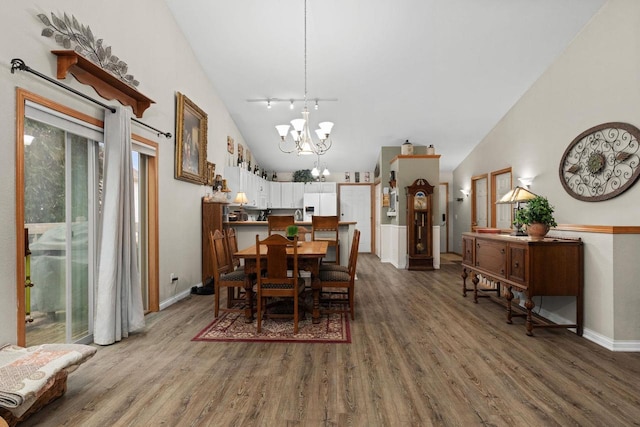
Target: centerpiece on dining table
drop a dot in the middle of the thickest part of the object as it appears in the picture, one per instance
(292, 231)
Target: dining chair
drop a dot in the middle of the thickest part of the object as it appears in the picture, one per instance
(355, 241)
(279, 223)
(235, 294)
(224, 275)
(336, 279)
(280, 274)
(326, 228)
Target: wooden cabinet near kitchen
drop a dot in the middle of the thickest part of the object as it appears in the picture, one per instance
(547, 267)
(212, 219)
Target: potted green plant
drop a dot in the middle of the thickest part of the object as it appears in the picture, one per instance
(292, 231)
(537, 215)
(302, 175)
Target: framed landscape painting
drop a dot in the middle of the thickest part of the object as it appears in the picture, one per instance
(191, 141)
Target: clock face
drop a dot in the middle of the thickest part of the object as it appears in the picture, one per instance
(601, 162)
(420, 201)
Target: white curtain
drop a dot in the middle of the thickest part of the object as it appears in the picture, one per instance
(119, 308)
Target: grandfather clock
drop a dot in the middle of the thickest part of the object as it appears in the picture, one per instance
(419, 228)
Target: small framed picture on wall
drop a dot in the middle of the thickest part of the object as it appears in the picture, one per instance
(347, 178)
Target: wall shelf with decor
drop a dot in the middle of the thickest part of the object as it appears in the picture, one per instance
(105, 83)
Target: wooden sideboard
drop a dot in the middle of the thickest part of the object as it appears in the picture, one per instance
(548, 267)
(212, 216)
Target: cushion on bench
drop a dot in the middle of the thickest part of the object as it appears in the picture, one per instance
(27, 373)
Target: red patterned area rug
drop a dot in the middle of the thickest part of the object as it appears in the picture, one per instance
(233, 328)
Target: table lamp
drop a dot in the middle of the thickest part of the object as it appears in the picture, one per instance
(241, 199)
(517, 195)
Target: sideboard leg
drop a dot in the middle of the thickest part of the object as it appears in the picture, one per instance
(508, 294)
(529, 304)
(475, 281)
(464, 282)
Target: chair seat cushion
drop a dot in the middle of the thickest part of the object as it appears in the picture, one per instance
(277, 286)
(334, 267)
(234, 276)
(334, 276)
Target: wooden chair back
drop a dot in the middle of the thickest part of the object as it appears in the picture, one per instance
(303, 233)
(279, 223)
(224, 275)
(353, 254)
(280, 277)
(219, 251)
(232, 247)
(339, 278)
(326, 228)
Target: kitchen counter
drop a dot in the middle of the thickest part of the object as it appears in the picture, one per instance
(303, 223)
(246, 233)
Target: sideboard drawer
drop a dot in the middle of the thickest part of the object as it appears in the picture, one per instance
(491, 256)
(517, 264)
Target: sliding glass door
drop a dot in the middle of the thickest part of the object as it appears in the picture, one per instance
(63, 176)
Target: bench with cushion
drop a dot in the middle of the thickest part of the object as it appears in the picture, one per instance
(32, 377)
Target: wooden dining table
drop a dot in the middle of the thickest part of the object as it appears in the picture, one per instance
(309, 256)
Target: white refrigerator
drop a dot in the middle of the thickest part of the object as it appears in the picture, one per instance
(324, 204)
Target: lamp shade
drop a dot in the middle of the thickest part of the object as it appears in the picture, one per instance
(283, 130)
(298, 124)
(518, 194)
(241, 198)
(326, 127)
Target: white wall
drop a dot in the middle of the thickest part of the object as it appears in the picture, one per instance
(596, 80)
(143, 34)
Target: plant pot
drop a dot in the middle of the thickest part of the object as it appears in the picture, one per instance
(291, 237)
(537, 230)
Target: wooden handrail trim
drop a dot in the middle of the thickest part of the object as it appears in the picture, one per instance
(603, 229)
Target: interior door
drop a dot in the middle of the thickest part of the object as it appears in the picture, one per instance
(443, 216)
(480, 201)
(378, 208)
(501, 184)
(355, 205)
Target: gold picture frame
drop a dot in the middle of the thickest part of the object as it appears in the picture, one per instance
(191, 141)
(211, 173)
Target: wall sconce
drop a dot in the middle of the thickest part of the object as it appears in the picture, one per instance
(526, 180)
(465, 193)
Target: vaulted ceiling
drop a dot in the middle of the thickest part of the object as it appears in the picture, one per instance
(439, 72)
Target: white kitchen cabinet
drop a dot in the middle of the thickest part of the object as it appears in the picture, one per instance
(328, 187)
(263, 192)
(320, 187)
(275, 195)
(312, 187)
(292, 195)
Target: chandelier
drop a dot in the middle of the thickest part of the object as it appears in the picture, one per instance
(315, 172)
(303, 142)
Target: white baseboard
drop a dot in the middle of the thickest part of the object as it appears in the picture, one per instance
(601, 340)
(174, 299)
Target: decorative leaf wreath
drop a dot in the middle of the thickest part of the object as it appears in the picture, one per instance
(68, 30)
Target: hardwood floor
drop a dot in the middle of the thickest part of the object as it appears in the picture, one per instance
(421, 355)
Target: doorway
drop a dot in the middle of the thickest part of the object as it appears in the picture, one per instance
(479, 202)
(355, 205)
(443, 216)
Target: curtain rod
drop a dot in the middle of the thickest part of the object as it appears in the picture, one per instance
(18, 64)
